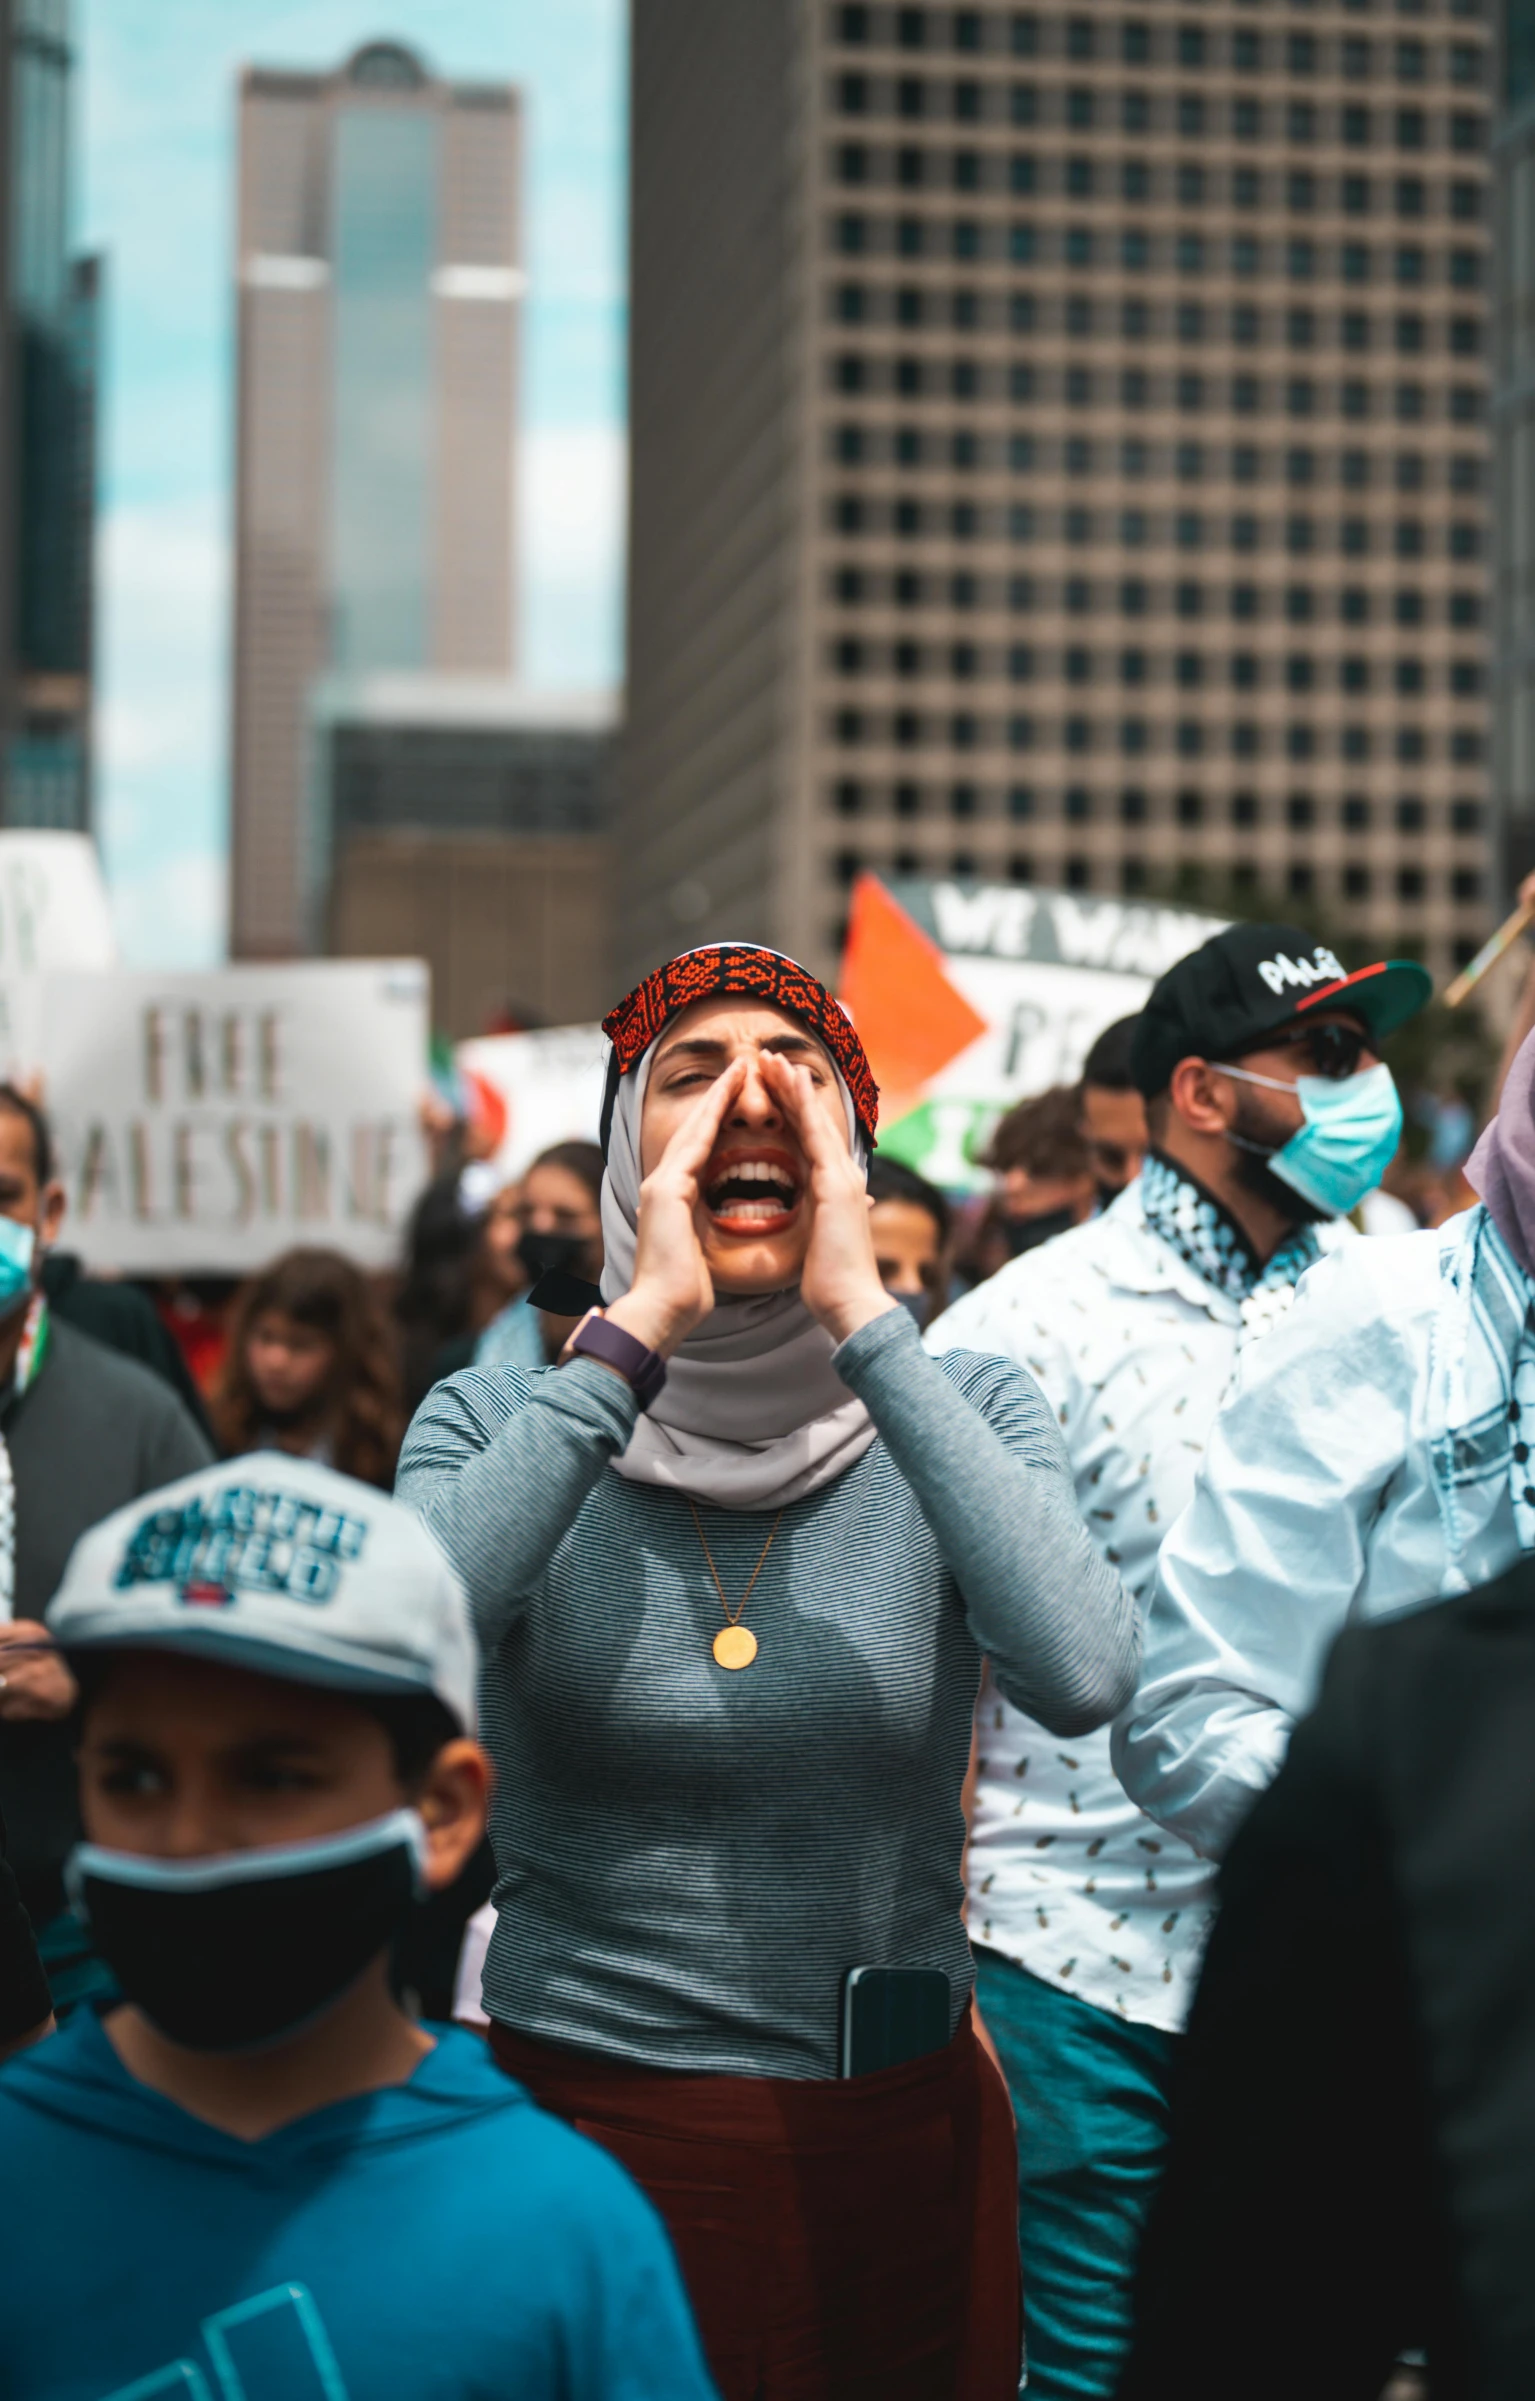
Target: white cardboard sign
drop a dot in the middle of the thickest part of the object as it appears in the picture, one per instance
(548, 1083)
(207, 1121)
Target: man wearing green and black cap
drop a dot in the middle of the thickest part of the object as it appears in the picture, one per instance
(1374, 1455)
(1268, 1112)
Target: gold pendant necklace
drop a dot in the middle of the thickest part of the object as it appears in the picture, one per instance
(735, 1645)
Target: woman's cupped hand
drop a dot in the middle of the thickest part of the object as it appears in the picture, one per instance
(839, 1282)
(672, 1290)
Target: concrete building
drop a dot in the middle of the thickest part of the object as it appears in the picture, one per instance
(1059, 452)
(379, 280)
(49, 315)
(466, 822)
(1513, 347)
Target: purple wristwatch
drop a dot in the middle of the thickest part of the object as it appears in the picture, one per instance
(644, 1369)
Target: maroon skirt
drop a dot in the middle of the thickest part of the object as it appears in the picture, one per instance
(852, 2241)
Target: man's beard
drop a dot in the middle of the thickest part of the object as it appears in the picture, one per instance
(1256, 1123)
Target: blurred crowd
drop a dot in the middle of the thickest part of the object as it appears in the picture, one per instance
(1148, 1432)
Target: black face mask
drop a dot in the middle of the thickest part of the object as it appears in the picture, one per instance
(1026, 1233)
(238, 1950)
(552, 1254)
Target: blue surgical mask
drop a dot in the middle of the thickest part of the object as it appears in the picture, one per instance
(18, 1245)
(1353, 1125)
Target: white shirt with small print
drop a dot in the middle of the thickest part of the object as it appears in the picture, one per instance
(1135, 1349)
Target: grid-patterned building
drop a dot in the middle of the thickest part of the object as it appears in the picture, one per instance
(1513, 531)
(379, 281)
(1059, 451)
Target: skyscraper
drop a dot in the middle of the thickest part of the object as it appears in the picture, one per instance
(1513, 345)
(49, 308)
(1059, 452)
(378, 262)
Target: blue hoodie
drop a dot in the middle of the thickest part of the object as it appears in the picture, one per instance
(442, 2240)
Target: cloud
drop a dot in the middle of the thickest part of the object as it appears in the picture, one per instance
(161, 736)
(572, 486)
(173, 912)
(162, 586)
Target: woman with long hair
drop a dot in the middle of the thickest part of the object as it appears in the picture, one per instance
(311, 1368)
(734, 1568)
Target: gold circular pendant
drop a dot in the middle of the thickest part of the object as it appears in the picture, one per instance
(735, 1646)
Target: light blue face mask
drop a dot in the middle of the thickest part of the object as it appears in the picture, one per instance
(18, 1244)
(1349, 1138)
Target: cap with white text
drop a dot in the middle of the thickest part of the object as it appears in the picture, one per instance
(1247, 982)
(281, 1565)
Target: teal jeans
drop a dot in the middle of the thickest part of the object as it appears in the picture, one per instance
(1090, 2092)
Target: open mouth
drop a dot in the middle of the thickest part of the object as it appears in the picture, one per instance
(752, 1193)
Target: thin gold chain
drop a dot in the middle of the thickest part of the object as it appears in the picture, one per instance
(715, 1573)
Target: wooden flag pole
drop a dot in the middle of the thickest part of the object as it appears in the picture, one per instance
(1491, 951)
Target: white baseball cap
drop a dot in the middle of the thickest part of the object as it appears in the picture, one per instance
(278, 1564)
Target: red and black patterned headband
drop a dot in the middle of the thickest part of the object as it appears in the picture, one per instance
(764, 975)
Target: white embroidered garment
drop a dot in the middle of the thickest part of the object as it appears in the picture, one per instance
(1135, 1348)
(1362, 1465)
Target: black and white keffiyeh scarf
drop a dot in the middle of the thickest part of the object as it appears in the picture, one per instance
(1208, 1239)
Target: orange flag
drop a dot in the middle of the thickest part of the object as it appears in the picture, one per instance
(911, 1020)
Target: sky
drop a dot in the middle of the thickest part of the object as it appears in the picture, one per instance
(155, 129)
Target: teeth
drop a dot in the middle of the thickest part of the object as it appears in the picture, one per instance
(757, 1171)
(778, 1190)
(750, 1212)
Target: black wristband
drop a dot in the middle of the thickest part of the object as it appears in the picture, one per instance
(644, 1369)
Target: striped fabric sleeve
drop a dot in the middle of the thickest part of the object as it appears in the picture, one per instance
(978, 1443)
(499, 1463)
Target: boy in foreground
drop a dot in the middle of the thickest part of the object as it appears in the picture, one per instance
(257, 2179)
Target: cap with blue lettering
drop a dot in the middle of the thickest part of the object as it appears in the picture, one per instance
(1247, 982)
(281, 1565)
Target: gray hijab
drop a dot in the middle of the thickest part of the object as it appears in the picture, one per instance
(753, 1415)
(1502, 1166)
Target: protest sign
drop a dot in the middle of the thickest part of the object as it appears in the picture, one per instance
(969, 997)
(207, 1121)
(527, 1091)
(53, 904)
(53, 914)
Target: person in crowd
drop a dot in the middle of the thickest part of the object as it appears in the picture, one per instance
(557, 1217)
(1352, 2168)
(255, 2174)
(435, 1306)
(1044, 1182)
(1375, 1454)
(82, 1430)
(911, 1224)
(1088, 1920)
(122, 1316)
(311, 1368)
(733, 1568)
(1111, 1113)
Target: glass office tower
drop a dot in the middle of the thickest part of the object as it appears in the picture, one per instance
(47, 433)
(378, 257)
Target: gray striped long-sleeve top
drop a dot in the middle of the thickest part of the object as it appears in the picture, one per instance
(690, 1860)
